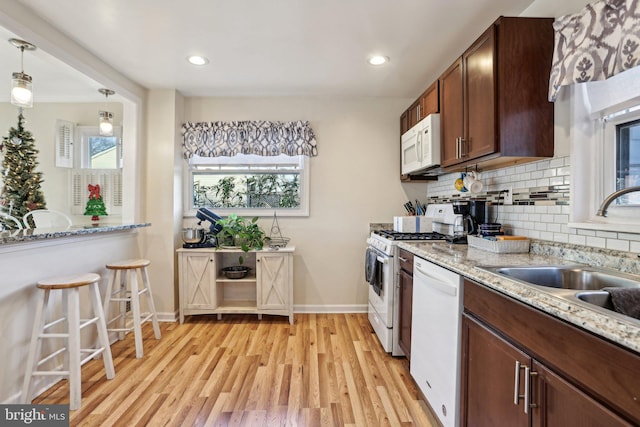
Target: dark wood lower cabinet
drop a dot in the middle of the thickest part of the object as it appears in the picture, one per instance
(504, 386)
(490, 363)
(405, 283)
(523, 367)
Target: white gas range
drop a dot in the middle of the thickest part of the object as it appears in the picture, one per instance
(382, 245)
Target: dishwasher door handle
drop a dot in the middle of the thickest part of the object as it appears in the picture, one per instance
(437, 283)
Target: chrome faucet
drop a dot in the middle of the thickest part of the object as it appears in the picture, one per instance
(611, 197)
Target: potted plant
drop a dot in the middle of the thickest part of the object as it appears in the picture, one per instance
(243, 233)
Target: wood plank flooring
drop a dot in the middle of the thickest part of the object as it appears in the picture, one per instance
(325, 370)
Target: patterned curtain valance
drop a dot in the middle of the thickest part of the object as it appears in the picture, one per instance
(264, 138)
(595, 44)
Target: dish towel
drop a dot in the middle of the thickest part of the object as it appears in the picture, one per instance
(370, 265)
(625, 301)
(371, 270)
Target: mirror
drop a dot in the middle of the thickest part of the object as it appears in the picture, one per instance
(61, 93)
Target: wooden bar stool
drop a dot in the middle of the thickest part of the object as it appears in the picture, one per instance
(123, 288)
(70, 287)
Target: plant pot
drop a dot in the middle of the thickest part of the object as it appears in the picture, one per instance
(236, 271)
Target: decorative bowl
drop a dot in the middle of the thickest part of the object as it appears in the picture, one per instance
(236, 271)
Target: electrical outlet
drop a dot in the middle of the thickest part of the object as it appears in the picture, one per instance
(507, 196)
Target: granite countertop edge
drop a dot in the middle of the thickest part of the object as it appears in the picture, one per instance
(33, 235)
(463, 260)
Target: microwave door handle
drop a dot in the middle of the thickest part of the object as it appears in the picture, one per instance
(419, 147)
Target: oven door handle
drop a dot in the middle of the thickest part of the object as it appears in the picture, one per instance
(382, 260)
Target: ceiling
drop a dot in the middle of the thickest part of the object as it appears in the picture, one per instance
(258, 48)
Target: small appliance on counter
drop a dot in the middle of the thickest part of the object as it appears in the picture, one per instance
(195, 238)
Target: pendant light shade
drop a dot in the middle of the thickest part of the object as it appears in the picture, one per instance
(21, 83)
(106, 118)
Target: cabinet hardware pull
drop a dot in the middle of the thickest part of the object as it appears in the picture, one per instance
(527, 370)
(527, 400)
(516, 384)
(457, 148)
(463, 152)
(402, 259)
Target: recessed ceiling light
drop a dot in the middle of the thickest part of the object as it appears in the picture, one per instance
(378, 60)
(197, 60)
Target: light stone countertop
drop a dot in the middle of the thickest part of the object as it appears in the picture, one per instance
(464, 260)
(39, 234)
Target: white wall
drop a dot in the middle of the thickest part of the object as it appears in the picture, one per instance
(354, 181)
(162, 195)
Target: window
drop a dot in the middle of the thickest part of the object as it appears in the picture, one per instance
(249, 185)
(605, 152)
(628, 160)
(100, 152)
(621, 149)
(99, 161)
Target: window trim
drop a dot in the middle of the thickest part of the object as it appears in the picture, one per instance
(82, 150)
(592, 159)
(189, 169)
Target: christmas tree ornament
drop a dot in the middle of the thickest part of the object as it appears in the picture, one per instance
(95, 205)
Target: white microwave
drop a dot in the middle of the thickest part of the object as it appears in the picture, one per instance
(421, 145)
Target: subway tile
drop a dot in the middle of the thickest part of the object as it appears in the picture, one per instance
(618, 245)
(560, 237)
(607, 234)
(556, 162)
(577, 240)
(628, 236)
(546, 235)
(591, 233)
(596, 242)
(634, 247)
(556, 228)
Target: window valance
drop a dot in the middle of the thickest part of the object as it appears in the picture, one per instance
(263, 138)
(595, 44)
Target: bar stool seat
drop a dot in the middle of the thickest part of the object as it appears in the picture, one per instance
(70, 286)
(124, 288)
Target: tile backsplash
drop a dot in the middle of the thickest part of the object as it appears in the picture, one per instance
(541, 204)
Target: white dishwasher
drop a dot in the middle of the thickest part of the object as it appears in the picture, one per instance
(436, 336)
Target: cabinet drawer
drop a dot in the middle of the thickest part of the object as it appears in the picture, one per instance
(406, 261)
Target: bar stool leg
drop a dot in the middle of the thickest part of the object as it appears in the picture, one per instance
(135, 308)
(150, 304)
(34, 346)
(103, 335)
(73, 317)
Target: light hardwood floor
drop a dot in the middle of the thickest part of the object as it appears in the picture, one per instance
(325, 370)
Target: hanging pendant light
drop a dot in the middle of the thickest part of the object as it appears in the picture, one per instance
(106, 118)
(21, 83)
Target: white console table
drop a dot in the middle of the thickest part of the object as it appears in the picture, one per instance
(267, 289)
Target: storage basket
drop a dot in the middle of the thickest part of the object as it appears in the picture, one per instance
(499, 246)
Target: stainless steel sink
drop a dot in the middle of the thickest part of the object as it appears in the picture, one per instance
(598, 298)
(579, 284)
(579, 277)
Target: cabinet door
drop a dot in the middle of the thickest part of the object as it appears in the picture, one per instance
(479, 65)
(451, 113)
(197, 281)
(429, 102)
(404, 318)
(558, 404)
(490, 379)
(273, 273)
(404, 122)
(414, 113)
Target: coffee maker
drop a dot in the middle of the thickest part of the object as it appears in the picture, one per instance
(479, 212)
(464, 223)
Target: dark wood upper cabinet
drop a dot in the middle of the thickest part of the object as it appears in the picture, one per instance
(493, 99)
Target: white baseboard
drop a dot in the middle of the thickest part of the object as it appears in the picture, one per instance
(342, 308)
(307, 308)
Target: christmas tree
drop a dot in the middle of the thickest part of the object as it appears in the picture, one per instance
(21, 191)
(95, 204)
